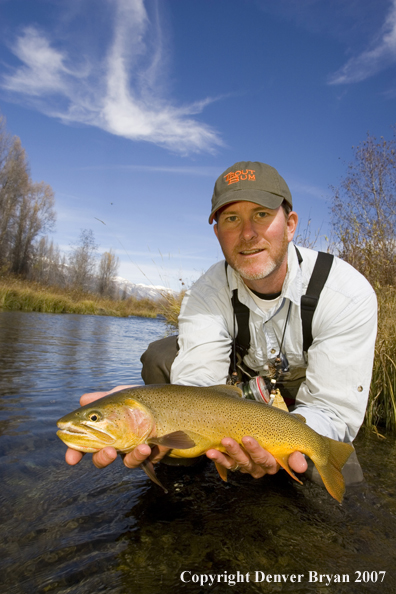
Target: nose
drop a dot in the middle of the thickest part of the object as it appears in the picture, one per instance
(248, 230)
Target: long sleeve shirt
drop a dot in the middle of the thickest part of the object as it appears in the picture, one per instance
(337, 368)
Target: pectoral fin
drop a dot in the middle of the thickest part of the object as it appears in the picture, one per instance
(149, 470)
(177, 440)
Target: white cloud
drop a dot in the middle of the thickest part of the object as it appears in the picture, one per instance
(119, 95)
(379, 56)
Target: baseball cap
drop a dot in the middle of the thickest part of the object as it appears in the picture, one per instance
(250, 181)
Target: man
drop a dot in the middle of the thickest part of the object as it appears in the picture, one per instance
(328, 383)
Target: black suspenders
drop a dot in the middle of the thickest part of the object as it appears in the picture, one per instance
(309, 302)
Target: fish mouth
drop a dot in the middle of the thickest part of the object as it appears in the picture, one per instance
(73, 430)
(86, 433)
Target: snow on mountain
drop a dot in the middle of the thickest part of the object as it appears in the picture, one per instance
(127, 289)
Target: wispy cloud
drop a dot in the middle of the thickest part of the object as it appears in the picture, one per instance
(121, 94)
(379, 56)
(304, 189)
(206, 171)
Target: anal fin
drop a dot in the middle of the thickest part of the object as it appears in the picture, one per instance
(222, 471)
(283, 461)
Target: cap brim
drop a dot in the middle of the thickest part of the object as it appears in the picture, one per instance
(260, 197)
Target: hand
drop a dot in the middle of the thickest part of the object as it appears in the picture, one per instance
(107, 455)
(252, 458)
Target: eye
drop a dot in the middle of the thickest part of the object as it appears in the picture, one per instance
(95, 416)
(230, 219)
(262, 214)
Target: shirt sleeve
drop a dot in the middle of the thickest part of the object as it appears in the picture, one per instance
(333, 397)
(204, 339)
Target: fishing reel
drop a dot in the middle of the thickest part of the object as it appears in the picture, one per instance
(263, 388)
(257, 388)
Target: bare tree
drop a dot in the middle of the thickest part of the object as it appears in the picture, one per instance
(108, 267)
(82, 261)
(26, 208)
(364, 211)
(48, 265)
(35, 215)
(14, 184)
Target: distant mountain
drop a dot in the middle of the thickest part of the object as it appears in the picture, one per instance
(127, 289)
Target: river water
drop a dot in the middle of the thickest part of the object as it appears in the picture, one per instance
(82, 530)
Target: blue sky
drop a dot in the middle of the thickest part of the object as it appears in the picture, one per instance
(130, 110)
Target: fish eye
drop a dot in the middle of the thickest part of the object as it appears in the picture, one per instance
(95, 416)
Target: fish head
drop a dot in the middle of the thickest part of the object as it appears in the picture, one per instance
(121, 424)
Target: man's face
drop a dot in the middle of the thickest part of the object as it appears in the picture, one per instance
(254, 240)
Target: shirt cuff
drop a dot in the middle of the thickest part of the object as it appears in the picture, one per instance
(318, 421)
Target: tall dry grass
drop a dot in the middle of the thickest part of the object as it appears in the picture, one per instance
(170, 308)
(381, 409)
(21, 295)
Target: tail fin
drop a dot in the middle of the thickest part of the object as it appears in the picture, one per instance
(330, 470)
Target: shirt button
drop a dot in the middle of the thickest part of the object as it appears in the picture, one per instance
(360, 388)
(273, 351)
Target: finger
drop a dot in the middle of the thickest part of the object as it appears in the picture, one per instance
(92, 396)
(73, 457)
(104, 457)
(297, 462)
(238, 456)
(252, 458)
(221, 458)
(118, 388)
(258, 454)
(137, 456)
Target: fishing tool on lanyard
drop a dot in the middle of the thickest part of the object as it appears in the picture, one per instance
(260, 388)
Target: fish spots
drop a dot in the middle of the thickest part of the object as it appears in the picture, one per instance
(207, 415)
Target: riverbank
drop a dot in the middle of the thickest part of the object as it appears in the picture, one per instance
(20, 295)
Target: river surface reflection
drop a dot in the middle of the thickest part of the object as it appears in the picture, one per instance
(83, 530)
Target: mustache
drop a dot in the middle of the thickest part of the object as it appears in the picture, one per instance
(246, 245)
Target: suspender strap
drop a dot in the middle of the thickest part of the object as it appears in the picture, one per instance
(242, 312)
(309, 301)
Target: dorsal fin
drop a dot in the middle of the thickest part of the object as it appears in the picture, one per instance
(228, 390)
(300, 417)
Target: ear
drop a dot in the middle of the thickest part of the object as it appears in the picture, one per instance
(216, 230)
(292, 221)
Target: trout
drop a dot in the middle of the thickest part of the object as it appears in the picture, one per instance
(191, 420)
